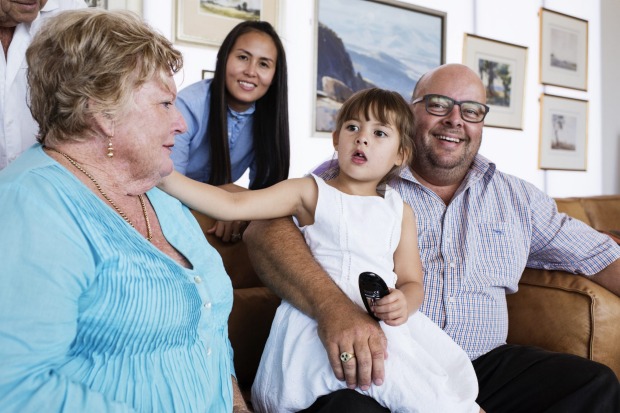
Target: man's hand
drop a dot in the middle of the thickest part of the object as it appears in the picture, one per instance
(291, 272)
(345, 327)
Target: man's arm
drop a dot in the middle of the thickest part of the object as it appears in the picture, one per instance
(285, 264)
(609, 277)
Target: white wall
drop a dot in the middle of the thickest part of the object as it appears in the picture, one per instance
(610, 102)
(517, 22)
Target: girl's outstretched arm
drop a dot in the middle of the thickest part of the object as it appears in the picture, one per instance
(295, 197)
(396, 307)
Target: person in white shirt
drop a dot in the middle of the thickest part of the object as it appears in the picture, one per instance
(19, 21)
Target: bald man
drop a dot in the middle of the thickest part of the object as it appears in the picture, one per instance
(478, 228)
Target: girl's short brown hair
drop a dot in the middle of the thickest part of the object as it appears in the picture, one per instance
(387, 107)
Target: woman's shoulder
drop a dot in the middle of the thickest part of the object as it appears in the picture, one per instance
(194, 99)
(195, 90)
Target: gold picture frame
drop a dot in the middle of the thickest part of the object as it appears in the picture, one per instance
(197, 21)
(501, 66)
(563, 133)
(563, 50)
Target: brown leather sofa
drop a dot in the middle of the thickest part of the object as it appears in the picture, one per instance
(552, 309)
(561, 312)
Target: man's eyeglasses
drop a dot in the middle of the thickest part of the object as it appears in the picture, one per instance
(440, 105)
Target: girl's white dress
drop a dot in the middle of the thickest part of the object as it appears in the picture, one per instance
(425, 372)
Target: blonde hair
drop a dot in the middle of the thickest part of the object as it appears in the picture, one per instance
(388, 107)
(91, 60)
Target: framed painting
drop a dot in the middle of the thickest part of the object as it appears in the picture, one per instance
(501, 66)
(563, 50)
(368, 43)
(563, 133)
(132, 5)
(207, 74)
(209, 21)
(102, 4)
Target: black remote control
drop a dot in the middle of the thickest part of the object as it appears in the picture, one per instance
(372, 288)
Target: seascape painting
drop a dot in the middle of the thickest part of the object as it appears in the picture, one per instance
(363, 43)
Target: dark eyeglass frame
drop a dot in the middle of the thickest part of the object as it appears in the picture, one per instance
(427, 98)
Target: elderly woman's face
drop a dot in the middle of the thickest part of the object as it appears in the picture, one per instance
(144, 134)
(13, 12)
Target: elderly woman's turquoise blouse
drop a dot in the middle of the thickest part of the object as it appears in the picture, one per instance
(93, 317)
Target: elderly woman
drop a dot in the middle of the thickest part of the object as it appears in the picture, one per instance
(111, 298)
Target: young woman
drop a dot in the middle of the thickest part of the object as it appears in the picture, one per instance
(238, 119)
(353, 223)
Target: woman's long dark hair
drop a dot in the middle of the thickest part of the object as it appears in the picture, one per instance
(271, 131)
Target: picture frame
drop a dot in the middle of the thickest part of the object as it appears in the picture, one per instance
(132, 5)
(563, 133)
(403, 42)
(207, 74)
(563, 50)
(501, 67)
(102, 4)
(208, 22)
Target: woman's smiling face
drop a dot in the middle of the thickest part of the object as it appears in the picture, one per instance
(250, 69)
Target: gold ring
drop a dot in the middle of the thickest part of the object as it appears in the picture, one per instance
(345, 356)
(235, 237)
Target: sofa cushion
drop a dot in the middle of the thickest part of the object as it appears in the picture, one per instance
(566, 313)
(603, 211)
(248, 329)
(573, 207)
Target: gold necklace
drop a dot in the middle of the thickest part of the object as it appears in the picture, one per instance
(107, 198)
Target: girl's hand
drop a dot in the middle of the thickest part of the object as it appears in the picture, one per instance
(392, 308)
(228, 231)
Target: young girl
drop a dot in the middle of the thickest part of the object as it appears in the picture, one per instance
(238, 119)
(352, 223)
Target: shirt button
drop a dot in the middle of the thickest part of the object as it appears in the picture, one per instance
(452, 265)
(451, 299)
(197, 279)
(448, 239)
(207, 305)
(209, 351)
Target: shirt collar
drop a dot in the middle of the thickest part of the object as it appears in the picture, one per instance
(50, 5)
(250, 111)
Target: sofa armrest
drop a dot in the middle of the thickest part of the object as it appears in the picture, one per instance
(248, 328)
(567, 313)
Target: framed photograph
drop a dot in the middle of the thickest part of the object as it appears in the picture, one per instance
(563, 50)
(207, 74)
(209, 21)
(132, 5)
(563, 133)
(102, 4)
(501, 66)
(367, 43)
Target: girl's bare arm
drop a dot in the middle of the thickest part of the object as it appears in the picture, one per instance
(407, 262)
(290, 197)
